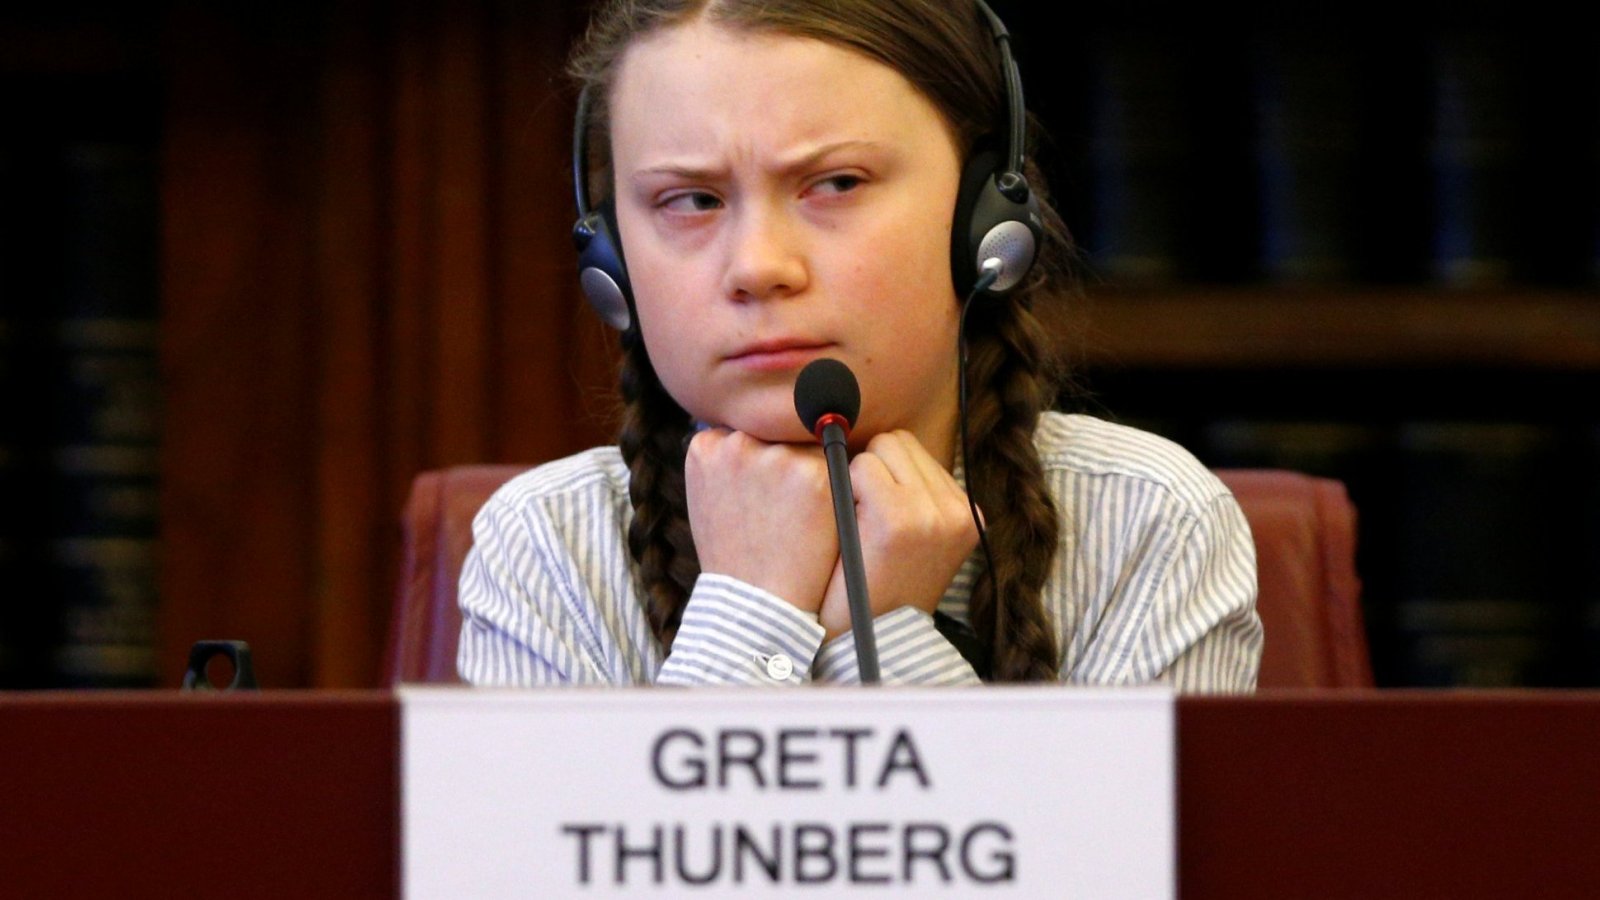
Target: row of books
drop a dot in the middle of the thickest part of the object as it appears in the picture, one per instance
(1479, 541)
(79, 427)
(1456, 152)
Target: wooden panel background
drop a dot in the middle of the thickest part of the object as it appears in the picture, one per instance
(367, 272)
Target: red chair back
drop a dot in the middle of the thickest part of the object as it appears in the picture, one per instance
(1304, 529)
(1309, 595)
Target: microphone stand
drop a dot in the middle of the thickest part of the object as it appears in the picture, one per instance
(855, 571)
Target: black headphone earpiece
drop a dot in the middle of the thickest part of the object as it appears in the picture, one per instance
(996, 217)
(997, 222)
(602, 271)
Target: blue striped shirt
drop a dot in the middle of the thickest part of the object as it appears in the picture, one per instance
(1154, 581)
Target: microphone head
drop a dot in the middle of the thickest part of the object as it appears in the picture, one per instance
(826, 386)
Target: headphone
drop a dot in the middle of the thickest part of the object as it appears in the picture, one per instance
(997, 228)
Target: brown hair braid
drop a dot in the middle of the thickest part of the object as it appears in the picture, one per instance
(654, 439)
(1006, 368)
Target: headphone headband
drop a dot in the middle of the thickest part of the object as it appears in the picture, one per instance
(1016, 111)
(580, 150)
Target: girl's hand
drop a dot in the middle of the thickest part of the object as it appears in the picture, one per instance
(916, 530)
(762, 513)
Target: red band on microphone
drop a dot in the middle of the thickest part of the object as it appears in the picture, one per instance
(832, 419)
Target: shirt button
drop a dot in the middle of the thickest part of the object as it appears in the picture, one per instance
(779, 667)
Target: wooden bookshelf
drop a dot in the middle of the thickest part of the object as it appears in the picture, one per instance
(1533, 329)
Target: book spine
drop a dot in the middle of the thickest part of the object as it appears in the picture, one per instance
(26, 623)
(1588, 649)
(1307, 155)
(1474, 151)
(104, 422)
(1593, 149)
(1136, 158)
(1489, 536)
(12, 639)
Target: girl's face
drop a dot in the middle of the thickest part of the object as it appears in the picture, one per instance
(782, 199)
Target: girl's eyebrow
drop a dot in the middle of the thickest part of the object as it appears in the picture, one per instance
(690, 171)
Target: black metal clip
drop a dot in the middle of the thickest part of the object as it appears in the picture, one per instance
(201, 655)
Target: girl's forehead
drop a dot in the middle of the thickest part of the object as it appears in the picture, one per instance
(699, 40)
(701, 80)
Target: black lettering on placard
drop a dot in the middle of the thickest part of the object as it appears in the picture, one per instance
(1004, 861)
(859, 851)
(902, 755)
(583, 832)
(688, 771)
(914, 850)
(651, 852)
(771, 863)
(681, 759)
(712, 869)
(728, 757)
(814, 842)
(788, 757)
(850, 736)
(798, 853)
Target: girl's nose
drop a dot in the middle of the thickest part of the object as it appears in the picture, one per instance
(764, 257)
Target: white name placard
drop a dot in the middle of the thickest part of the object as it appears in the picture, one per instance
(1023, 791)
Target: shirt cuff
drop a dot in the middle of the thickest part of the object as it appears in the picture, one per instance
(910, 651)
(736, 633)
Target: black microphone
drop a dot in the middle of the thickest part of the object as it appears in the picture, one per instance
(828, 400)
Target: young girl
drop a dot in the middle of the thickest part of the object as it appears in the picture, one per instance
(783, 178)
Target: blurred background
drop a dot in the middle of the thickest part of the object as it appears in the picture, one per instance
(261, 264)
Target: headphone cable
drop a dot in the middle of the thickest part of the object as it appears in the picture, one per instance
(991, 269)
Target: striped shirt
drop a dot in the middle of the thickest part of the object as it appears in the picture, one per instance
(1154, 581)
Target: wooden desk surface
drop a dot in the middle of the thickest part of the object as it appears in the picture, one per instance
(1282, 795)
